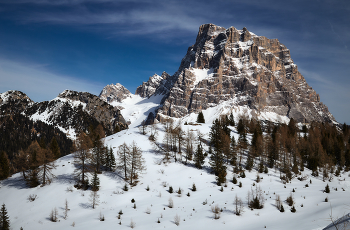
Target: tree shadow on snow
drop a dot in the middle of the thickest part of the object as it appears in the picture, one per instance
(64, 178)
(85, 205)
(17, 182)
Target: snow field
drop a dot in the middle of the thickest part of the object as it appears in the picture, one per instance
(193, 214)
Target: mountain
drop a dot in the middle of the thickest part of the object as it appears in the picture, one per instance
(71, 111)
(237, 71)
(117, 92)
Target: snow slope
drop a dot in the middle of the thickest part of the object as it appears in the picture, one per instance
(194, 214)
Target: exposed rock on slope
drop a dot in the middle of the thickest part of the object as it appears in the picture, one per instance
(155, 85)
(117, 92)
(249, 70)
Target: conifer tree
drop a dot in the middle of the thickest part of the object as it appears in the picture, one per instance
(95, 182)
(4, 166)
(55, 149)
(4, 218)
(199, 156)
(200, 118)
(110, 163)
(137, 162)
(231, 120)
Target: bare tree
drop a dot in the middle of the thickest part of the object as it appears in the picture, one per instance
(82, 160)
(53, 215)
(123, 159)
(137, 162)
(94, 199)
(189, 145)
(238, 205)
(66, 209)
(177, 220)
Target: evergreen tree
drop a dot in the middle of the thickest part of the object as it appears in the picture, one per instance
(55, 149)
(240, 127)
(4, 218)
(199, 156)
(95, 182)
(110, 160)
(4, 166)
(231, 120)
(200, 118)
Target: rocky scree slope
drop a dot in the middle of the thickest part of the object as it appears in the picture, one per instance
(238, 66)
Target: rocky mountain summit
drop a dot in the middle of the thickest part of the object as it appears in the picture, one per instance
(241, 68)
(117, 92)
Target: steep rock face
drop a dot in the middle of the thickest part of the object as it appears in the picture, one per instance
(12, 102)
(117, 92)
(155, 85)
(239, 66)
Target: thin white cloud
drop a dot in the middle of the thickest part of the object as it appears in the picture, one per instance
(38, 83)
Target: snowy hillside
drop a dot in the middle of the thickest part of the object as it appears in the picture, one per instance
(195, 210)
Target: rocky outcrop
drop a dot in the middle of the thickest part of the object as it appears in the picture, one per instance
(239, 66)
(156, 85)
(12, 102)
(117, 92)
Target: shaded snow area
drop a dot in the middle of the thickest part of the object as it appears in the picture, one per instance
(195, 211)
(135, 109)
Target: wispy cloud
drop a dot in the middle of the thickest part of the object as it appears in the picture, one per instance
(38, 83)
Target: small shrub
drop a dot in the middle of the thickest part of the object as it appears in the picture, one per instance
(158, 221)
(179, 191)
(134, 206)
(132, 200)
(194, 188)
(326, 199)
(120, 212)
(221, 189)
(32, 197)
(177, 220)
(125, 188)
(234, 180)
(290, 200)
(147, 188)
(148, 210)
(188, 194)
(293, 209)
(240, 184)
(170, 203)
(326, 189)
(281, 209)
(216, 210)
(102, 217)
(132, 224)
(171, 190)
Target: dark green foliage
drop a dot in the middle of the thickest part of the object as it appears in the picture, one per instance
(95, 182)
(132, 200)
(240, 184)
(55, 149)
(109, 161)
(199, 156)
(171, 190)
(200, 118)
(4, 165)
(17, 132)
(326, 189)
(4, 218)
(231, 120)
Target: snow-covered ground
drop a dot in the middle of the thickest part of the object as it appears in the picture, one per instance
(312, 210)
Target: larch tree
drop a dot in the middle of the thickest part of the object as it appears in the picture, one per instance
(137, 162)
(55, 149)
(123, 160)
(82, 161)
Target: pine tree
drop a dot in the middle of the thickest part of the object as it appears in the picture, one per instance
(199, 156)
(4, 218)
(200, 118)
(110, 160)
(95, 182)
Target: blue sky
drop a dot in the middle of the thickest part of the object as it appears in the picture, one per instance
(48, 46)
